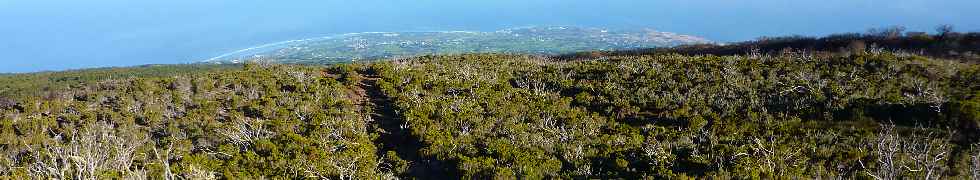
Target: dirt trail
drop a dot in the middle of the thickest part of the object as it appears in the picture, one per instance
(393, 137)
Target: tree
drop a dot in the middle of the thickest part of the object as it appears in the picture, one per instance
(944, 30)
(890, 32)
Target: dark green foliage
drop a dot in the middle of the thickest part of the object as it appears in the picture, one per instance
(961, 46)
(46, 83)
(673, 116)
(268, 121)
(489, 116)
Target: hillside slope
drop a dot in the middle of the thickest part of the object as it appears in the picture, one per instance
(481, 116)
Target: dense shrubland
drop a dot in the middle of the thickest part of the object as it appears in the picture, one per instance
(276, 121)
(862, 114)
(944, 43)
(13, 86)
(670, 116)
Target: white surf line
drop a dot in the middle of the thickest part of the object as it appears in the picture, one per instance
(320, 38)
(261, 46)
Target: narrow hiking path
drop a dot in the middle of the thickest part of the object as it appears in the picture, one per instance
(394, 135)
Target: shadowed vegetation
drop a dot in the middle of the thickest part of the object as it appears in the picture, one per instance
(862, 113)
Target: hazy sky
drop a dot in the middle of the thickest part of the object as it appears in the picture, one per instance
(40, 35)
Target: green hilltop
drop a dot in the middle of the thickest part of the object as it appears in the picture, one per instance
(855, 111)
